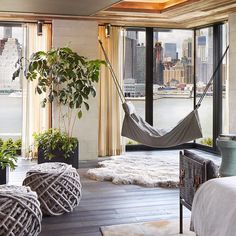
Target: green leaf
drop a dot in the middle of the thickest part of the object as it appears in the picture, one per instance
(39, 91)
(16, 74)
(71, 104)
(79, 114)
(86, 106)
(93, 91)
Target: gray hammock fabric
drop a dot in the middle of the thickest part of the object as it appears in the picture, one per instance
(134, 127)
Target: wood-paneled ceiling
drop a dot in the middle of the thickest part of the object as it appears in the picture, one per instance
(169, 13)
(158, 13)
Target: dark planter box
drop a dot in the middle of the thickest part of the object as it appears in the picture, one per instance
(18, 152)
(4, 175)
(73, 159)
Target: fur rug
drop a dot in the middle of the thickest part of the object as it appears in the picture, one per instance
(159, 228)
(150, 171)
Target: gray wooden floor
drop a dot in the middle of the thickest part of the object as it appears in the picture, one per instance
(104, 203)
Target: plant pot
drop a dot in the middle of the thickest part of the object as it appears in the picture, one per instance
(18, 152)
(73, 159)
(4, 175)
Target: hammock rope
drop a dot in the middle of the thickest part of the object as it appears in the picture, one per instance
(113, 74)
(212, 78)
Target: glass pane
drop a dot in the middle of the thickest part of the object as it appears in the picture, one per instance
(134, 70)
(173, 76)
(204, 70)
(225, 121)
(11, 44)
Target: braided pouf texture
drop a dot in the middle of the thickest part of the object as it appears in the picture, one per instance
(57, 185)
(20, 213)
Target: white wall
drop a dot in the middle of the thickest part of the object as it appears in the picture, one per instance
(232, 74)
(81, 36)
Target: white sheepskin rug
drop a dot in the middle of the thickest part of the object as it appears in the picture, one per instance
(144, 170)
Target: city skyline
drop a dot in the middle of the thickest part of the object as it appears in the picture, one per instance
(167, 37)
(170, 70)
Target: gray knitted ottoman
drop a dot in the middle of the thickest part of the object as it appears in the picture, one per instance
(57, 185)
(20, 212)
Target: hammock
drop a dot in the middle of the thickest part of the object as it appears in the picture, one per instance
(134, 127)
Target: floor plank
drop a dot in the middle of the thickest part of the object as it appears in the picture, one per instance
(104, 203)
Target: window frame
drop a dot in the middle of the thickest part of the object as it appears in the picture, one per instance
(217, 87)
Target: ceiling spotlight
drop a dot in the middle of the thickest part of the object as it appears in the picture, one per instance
(107, 30)
(40, 27)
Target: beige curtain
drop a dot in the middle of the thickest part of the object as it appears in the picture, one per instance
(110, 141)
(35, 118)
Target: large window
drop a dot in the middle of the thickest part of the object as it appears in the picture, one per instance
(11, 49)
(172, 76)
(166, 72)
(135, 69)
(204, 70)
(225, 122)
(135, 64)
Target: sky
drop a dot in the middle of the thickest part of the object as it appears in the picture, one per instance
(17, 32)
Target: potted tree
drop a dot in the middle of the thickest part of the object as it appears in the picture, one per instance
(7, 161)
(67, 80)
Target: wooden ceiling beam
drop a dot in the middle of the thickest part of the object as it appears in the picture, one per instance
(146, 7)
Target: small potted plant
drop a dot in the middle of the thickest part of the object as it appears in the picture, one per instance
(54, 145)
(67, 80)
(7, 161)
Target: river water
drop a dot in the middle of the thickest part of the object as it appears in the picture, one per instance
(167, 113)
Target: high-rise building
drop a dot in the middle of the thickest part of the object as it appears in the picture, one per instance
(140, 64)
(7, 32)
(201, 43)
(158, 67)
(130, 56)
(10, 53)
(187, 49)
(187, 60)
(134, 58)
(204, 60)
(188, 73)
(170, 50)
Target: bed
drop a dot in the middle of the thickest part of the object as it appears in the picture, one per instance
(214, 208)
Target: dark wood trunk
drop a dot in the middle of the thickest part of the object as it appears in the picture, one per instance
(73, 159)
(4, 175)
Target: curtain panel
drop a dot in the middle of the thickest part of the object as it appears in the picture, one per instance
(35, 118)
(110, 141)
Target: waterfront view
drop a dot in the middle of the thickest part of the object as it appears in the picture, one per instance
(173, 75)
(167, 113)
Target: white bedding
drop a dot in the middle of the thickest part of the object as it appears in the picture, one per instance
(214, 208)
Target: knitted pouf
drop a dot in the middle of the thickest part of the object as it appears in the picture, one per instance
(20, 212)
(57, 185)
